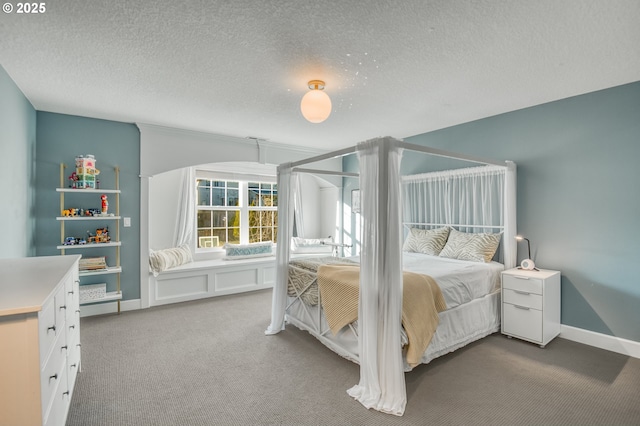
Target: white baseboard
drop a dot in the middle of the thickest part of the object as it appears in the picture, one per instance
(109, 307)
(602, 341)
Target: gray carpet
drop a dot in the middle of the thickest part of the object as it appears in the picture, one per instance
(208, 362)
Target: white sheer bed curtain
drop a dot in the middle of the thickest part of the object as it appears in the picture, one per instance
(185, 223)
(382, 385)
(285, 229)
(297, 204)
(482, 195)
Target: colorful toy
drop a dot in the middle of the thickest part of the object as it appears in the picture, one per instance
(72, 180)
(86, 172)
(105, 204)
(101, 236)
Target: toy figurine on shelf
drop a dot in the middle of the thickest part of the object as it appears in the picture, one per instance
(72, 180)
(105, 204)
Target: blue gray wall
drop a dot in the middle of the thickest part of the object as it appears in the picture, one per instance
(17, 178)
(578, 196)
(62, 137)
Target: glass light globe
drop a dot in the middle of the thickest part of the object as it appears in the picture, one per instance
(315, 106)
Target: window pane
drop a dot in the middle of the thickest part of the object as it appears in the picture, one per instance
(233, 197)
(219, 219)
(203, 196)
(275, 234)
(217, 197)
(233, 184)
(234, 236)
(267, 218)
(218, 184)
(233, 218)
(221, 235)
(203, 183)
(254, 234)
(254, 218)
(253, 194)
(204, 218)
(267, 234)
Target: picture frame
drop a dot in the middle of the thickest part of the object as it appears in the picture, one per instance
(355, 201)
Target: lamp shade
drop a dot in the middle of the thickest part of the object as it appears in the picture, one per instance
(315, 106)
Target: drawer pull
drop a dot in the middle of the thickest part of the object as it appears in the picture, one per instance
(65, 393)
(77, 281)
(64, 347)
(79, 345)
(54, 377)
(71, 292)
(53, 327)
(520, 278)
(522, 307)
(63, 307)
(72, 327)
(72, 366)
(526, 293)
(77, 311)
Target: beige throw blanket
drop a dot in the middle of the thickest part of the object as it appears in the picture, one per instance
(421, 302)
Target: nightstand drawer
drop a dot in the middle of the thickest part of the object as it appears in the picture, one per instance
(522, 322)
(522, 283)
(522, 298)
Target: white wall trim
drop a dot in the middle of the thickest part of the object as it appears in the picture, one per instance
(602, 341)
(109, 308)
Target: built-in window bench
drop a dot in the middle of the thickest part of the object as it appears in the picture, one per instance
(208, 278)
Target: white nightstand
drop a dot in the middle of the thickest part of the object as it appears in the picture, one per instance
(531, 305)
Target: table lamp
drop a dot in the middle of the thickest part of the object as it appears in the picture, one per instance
(527, 263)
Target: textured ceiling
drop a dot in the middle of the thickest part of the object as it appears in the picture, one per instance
(240, 67)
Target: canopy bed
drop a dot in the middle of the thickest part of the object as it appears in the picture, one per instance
(450, 282)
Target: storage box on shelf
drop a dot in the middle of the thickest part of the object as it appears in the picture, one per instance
(106, 237)
(531, 305)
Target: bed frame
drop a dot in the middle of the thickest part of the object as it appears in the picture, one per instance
(381, 385)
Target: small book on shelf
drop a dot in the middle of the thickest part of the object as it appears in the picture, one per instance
(93, 263)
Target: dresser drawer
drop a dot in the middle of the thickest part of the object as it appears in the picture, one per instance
(60, 403)
(522, 322)
(51, 320)
(522, 298)
(52, 374)
(522, 283)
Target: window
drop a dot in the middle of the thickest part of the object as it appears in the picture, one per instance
(263, 214)
(234, 211)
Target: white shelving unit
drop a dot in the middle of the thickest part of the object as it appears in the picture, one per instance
(115, 237)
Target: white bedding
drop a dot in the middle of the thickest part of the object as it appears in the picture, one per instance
(470, 289)
(460, 281)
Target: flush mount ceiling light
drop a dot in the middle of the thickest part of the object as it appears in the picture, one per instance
(316, 104)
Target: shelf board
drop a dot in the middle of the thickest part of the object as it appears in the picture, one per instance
(111, 295)
(89, 190)
(89, 245)
(109, 270)
(88, 218)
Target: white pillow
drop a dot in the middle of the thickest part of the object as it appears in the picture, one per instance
(469, 246)
(427, 241)
(310, 245)
(161, 260)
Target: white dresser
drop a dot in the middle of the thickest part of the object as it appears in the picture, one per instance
(39, 339)
(531, 305)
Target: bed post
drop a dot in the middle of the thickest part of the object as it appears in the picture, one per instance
(285, 229)
(381, 385)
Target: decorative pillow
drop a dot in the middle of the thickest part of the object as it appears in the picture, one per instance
(309, 245)
(427, 241)
(161, 260)
(245, 251)
(469, 246)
